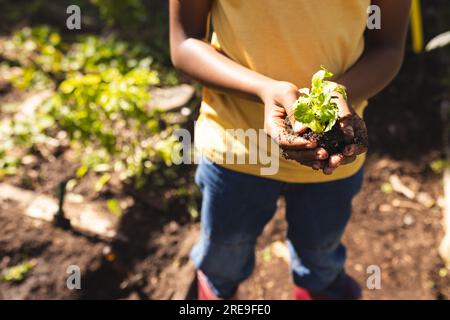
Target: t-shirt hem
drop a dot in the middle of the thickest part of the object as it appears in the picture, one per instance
(291, 176)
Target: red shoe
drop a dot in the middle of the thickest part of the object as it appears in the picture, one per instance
(204, 290)
(301, 294)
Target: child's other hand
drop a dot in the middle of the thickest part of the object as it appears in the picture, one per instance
(353, 127)
(278, 98)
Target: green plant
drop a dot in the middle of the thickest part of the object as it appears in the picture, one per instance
(100, 104)
(439, 165)
(315, 107)
(18, 272)
(114, 207)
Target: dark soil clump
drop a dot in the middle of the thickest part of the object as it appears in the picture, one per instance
(333, 141)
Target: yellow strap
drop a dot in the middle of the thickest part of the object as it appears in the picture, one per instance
(416, 27)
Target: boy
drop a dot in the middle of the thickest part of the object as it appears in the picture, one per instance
(261, 53)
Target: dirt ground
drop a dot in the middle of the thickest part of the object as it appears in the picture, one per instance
(398, 235)
(52, 250)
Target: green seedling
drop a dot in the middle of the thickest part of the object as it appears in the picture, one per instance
(315, 108)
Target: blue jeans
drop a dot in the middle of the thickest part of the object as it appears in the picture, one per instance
(237, 206)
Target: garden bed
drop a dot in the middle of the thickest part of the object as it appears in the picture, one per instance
(399, 235)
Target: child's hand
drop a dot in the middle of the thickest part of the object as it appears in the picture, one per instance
(353, 127)
(278, 98)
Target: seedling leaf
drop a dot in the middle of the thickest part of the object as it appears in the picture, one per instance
(315, 108)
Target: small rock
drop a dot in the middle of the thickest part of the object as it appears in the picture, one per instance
(358, 267)
(172, 227)
(408, 219)
(385, 208)
(425, 199)
(185, 111)
(75, 198)
(124, 285)
(400, 187)
(29, 159)
(106, 250)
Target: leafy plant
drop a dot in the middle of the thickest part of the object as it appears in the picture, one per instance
(98, 109)
(100, 104)
(18, 272)
(315, 108)
(114, 207)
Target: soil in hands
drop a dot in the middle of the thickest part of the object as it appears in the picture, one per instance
(333, 141)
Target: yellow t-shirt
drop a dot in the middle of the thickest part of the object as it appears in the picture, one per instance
(286, 40)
